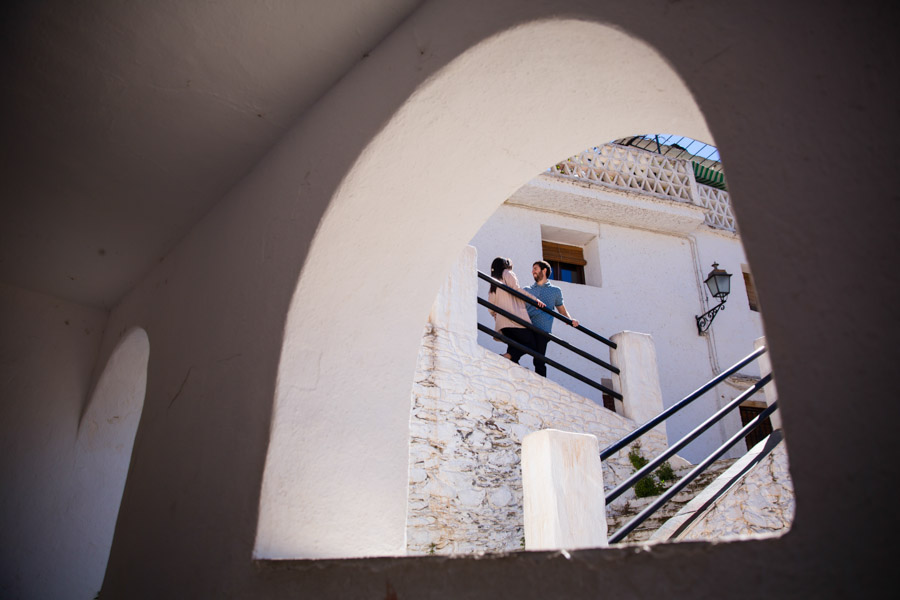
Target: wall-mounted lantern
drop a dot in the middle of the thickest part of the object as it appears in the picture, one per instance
(719, 284)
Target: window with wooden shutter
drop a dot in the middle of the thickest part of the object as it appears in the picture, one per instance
(609, 402)
(751, 291)
(566, 261)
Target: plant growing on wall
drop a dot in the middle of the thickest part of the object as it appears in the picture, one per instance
(665, 473)
(655, 483)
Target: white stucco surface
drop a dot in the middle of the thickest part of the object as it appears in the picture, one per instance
(638, 379)
(562, 482)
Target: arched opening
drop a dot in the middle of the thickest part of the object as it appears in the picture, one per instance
(106, 437)
(336, 474)
(634, 222)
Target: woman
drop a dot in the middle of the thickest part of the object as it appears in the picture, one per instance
(501, 269)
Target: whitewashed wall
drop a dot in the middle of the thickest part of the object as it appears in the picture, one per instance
(639, 280)
(471, 408)
(762, 503)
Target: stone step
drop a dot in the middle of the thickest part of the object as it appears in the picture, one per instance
(620, 513)
(689, 492)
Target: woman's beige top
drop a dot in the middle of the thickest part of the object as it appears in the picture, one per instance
(508, 302)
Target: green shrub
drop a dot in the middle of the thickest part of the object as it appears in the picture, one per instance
(653, 484)
(665, 472)
(646, 487)
(637, 459)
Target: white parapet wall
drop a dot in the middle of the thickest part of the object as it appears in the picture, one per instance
(562, 480)
(638, 381)
(470, 411)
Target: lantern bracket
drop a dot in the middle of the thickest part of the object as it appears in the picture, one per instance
(706, 319)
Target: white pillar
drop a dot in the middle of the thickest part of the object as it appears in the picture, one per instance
(562, 481)
(638, 380)
(454, 308)
(765, 367)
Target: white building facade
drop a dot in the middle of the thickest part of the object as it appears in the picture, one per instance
(649, 234)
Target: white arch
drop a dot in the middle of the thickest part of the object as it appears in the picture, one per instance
(103, 448)
(336, 469)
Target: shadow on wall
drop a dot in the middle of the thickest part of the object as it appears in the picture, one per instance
(102, 456)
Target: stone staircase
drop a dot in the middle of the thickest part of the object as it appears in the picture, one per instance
(622, 511)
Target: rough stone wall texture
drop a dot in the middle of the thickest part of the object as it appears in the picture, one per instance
(763, 502)
(471, 409)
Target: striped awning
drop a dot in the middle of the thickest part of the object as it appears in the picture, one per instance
(708, 176)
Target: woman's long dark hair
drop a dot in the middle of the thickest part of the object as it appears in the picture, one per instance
(499, 265)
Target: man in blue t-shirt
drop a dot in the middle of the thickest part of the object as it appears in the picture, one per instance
(552, 296)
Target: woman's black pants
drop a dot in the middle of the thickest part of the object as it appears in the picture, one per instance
(521, 335)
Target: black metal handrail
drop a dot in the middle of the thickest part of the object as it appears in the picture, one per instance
(548, 335)
(549, 361)
(653, 464)
(684, 481)
(552, 313)
(613, 448)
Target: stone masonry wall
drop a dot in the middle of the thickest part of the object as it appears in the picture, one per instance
(471, 409)
(762, 503)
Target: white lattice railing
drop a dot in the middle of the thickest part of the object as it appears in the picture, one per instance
(650, 173)
(718, 207)
(631, 169)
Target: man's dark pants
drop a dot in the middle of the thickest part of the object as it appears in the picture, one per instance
(540, 345)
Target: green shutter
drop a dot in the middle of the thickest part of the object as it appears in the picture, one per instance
(707, 176)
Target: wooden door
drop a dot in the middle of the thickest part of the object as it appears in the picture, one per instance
(749, 410)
